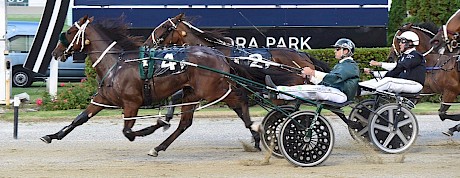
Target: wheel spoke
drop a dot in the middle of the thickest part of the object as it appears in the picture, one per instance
(404, 122)
(382, 127)
(401, 136)
(391, 116)
(363, 131)
(361, 118)
(388, 139)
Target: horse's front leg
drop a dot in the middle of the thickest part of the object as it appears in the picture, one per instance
(238, 101)
(176, 98)
(449, 97)
(130, 111)
(83, 117)
(185, 122)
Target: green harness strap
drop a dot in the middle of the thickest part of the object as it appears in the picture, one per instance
(150, 64)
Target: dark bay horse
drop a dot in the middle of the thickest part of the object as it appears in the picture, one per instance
(446, 42)
(108, 45)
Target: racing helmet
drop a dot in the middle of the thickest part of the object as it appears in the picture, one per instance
(409, 36)
(347, 44)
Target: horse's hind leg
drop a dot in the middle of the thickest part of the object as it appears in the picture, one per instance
(83, 117)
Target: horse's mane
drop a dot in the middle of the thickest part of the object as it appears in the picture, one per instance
(430, 26)
(117, 30)
(215, 35)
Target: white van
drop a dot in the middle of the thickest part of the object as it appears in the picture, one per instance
(20, 37)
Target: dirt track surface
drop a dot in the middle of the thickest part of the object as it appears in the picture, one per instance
(211, 148)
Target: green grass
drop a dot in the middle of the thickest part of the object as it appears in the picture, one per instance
(37, 89)
(26, 115)
(24, 17)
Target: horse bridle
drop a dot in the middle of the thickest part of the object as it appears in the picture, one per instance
(79, 37)
(162, 37)
(450, 43)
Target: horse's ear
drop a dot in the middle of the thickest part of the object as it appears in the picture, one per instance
(178, 17)
(83, 19)
(91, 19)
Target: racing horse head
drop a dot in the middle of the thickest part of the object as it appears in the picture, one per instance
(448, 36)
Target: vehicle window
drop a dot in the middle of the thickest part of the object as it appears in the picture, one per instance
(20, 43)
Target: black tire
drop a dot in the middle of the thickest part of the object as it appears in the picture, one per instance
(302, 146)
(390, 140)
(272, 125)
(22, 77)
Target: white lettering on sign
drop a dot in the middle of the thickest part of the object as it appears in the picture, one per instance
(270, 41)
(240, 41)
(273, 42)
(281, 43)
(253, 43)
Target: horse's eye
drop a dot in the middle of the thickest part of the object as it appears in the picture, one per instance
(68, 32)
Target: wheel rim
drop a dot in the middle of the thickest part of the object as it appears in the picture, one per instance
(302, 148)
(20, 79)
(272, 125)
(392, 140)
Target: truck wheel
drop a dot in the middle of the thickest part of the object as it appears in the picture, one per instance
(22, 77)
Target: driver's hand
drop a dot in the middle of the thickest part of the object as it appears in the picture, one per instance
(367, 71)
(375, 63)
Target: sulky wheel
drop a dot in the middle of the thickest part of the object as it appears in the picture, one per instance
(302, 146)
(385, 136)
(272, 126)
(360, 113)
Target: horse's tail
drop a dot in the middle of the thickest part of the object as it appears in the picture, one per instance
(319, 65)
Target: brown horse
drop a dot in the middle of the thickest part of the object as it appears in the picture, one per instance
(447, 38)
(119, 87)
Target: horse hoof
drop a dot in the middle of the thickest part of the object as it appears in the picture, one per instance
(46, 139)
(153, 153)
(448, 133)
(129, 135)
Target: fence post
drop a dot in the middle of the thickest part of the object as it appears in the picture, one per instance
(16, 114)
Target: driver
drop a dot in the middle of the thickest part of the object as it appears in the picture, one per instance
(339, 85)
(405, 76)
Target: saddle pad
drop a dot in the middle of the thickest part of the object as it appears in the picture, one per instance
(258, 53)
(150, 68)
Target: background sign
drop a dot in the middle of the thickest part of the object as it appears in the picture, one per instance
(17, 2)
